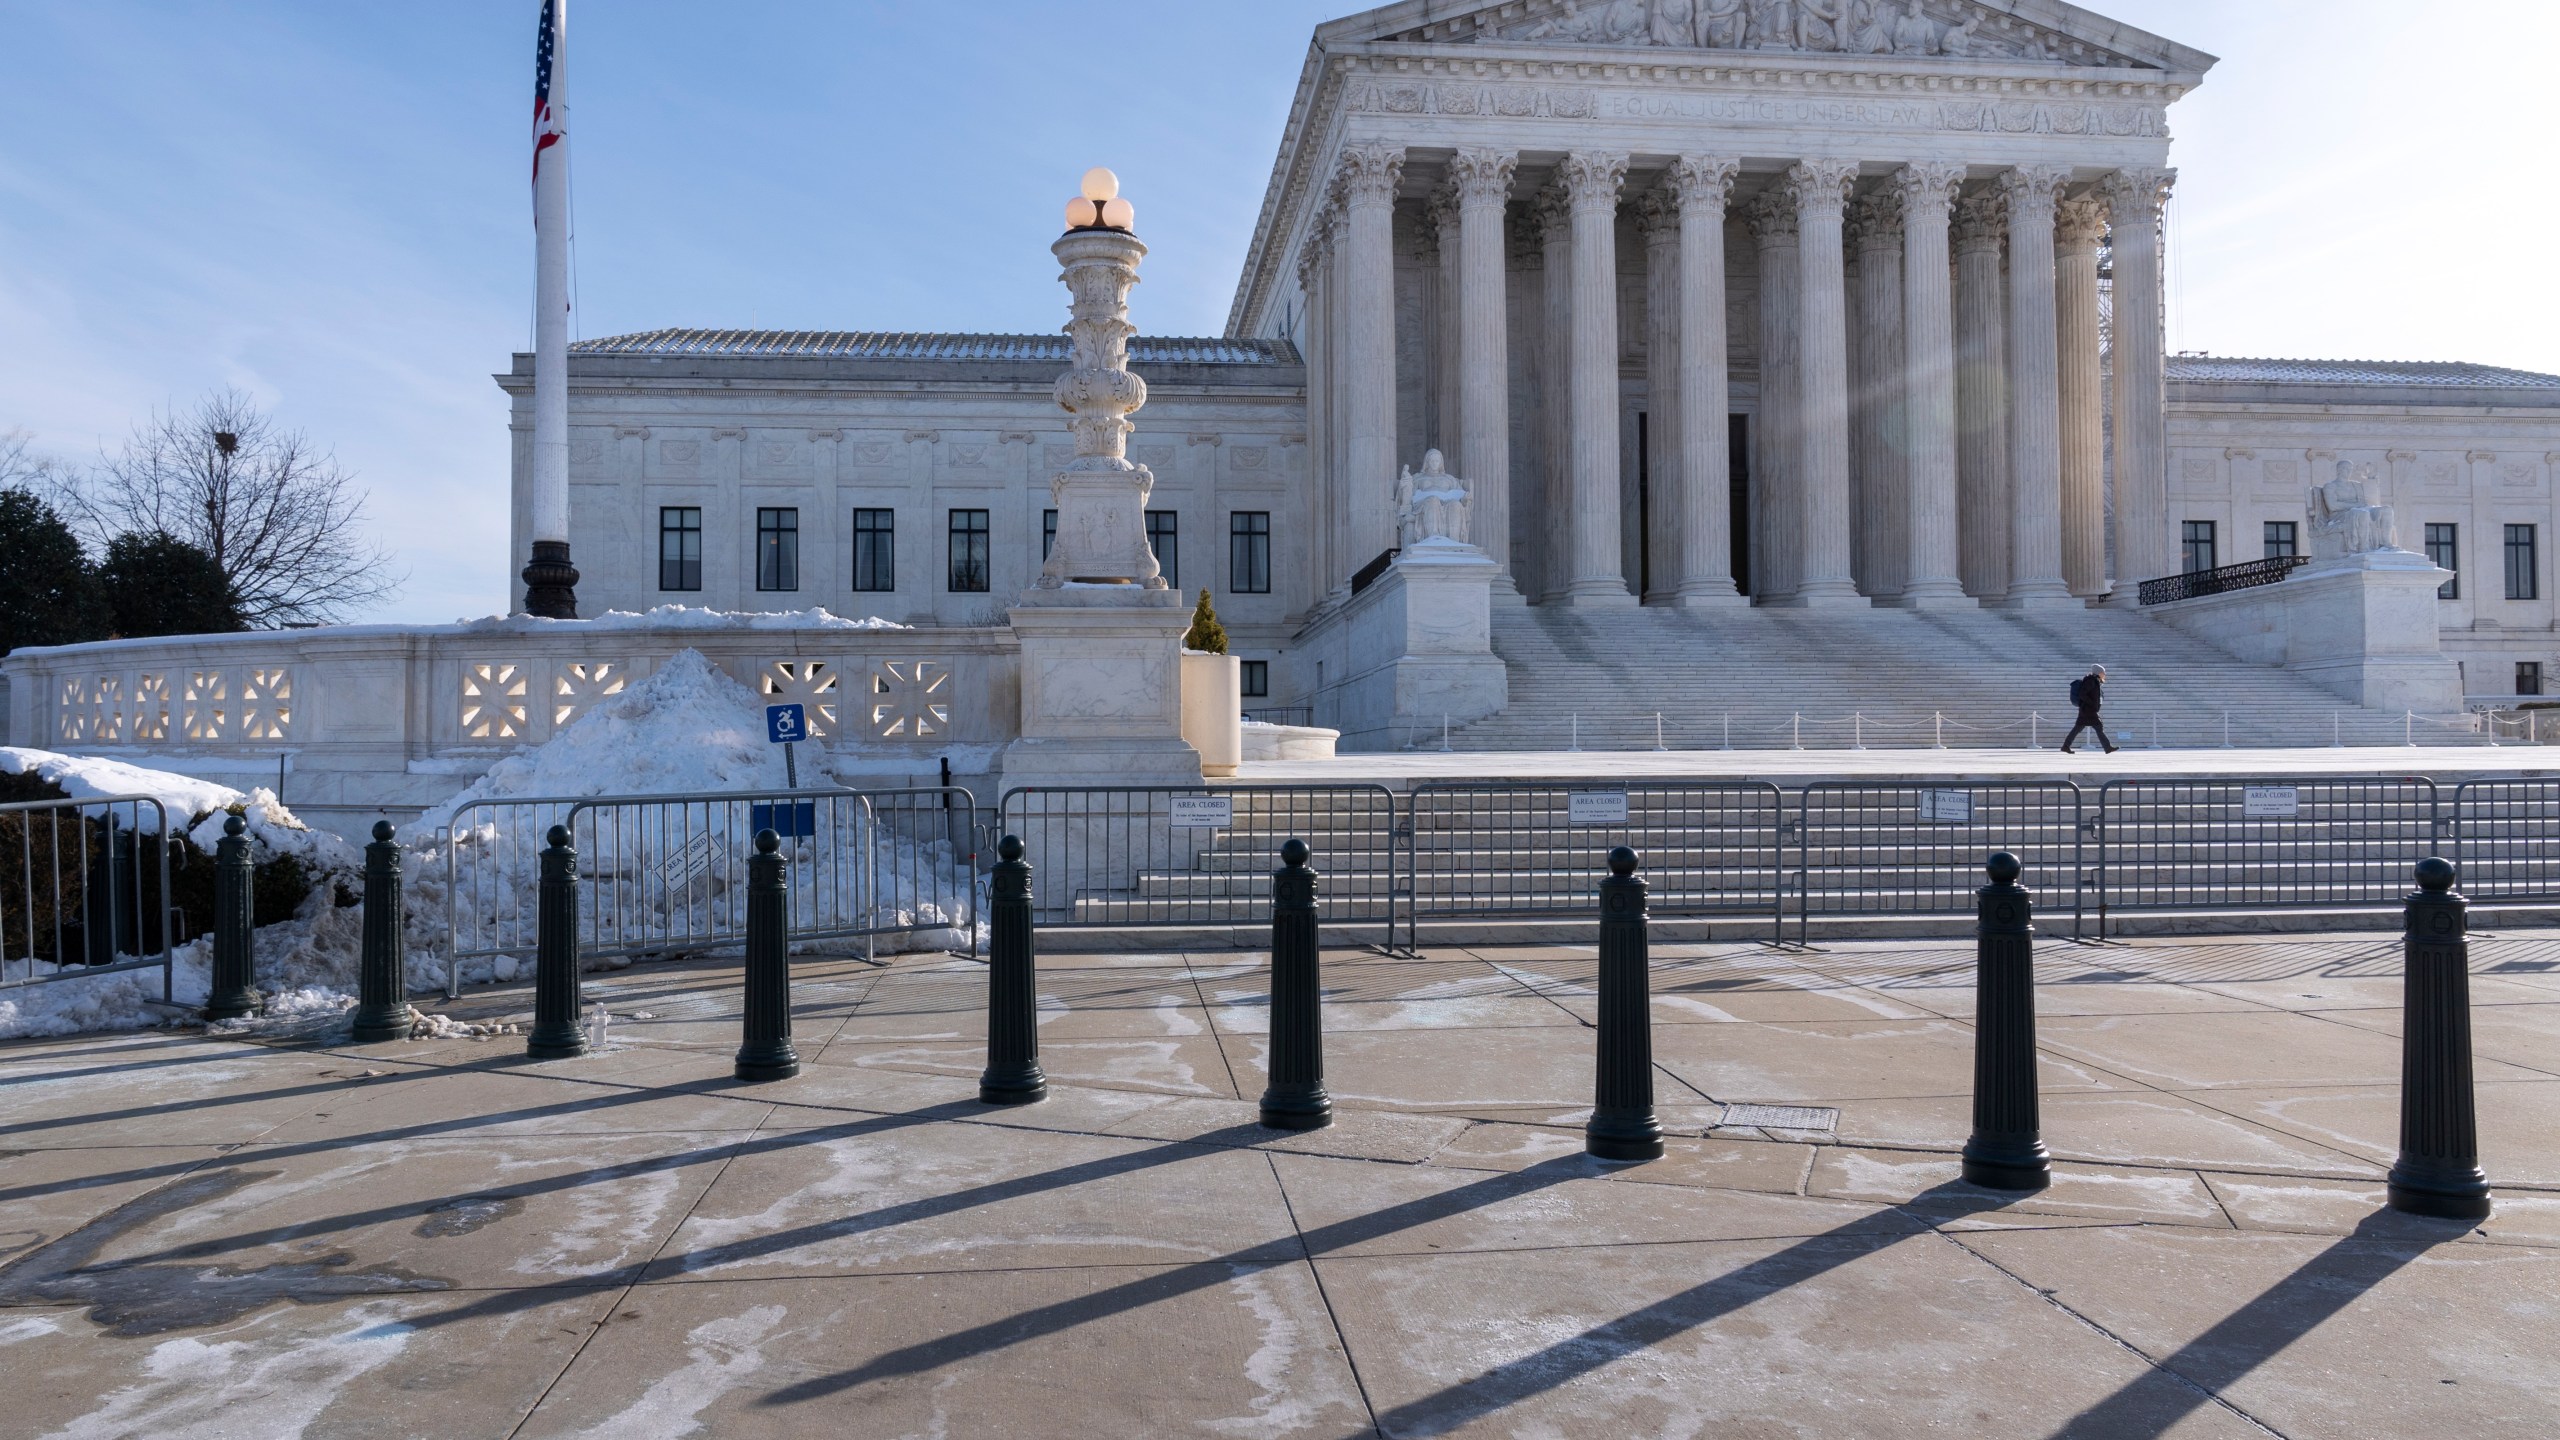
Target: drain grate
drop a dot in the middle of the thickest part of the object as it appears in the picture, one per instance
(1782, 1117)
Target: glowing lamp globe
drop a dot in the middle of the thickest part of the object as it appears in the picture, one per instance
(1119, 214)
(1083, 214)
(1100, 185)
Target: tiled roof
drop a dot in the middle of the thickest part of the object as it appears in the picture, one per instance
(2447, 374)
(909, 345)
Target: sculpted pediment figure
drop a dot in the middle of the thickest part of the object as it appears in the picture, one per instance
(1851, 27)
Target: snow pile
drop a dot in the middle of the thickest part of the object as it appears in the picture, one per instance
(85, 777)
(688, 729)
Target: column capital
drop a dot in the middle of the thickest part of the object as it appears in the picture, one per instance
(1368, 173)
(2029, 188)
(1552, 210)
(2129, 190)
(1440, 207)
(1702, 181)
(1821, 187)
(1658, 216)
(1875, 221)
(1772, 217)
(1483, 176)
(1926, 186)
(1982, 221)
(2080, 224)
(1592, 178)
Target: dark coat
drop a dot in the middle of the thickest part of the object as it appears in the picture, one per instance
(2089, 692)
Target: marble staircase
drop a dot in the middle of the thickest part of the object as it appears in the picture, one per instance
(1743, 677)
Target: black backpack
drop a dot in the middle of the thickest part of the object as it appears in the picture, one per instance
(2079, 689)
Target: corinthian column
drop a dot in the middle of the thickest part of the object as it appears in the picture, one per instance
(1700, 187)
(1483, 181)
(2035, 398)
(1315, 339)
(2078, 228)
(1367, 178)
(1443, 342)
(1820, 189)
(1658, 219)
(1777, 507)
(1929, 385)
(1591, 181)
(1876, 419)
(1553, 525)
(2142, 426)
(1982, 397)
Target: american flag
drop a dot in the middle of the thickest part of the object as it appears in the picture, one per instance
(547, 131)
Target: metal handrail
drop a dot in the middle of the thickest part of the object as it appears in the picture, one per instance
(2248, 574)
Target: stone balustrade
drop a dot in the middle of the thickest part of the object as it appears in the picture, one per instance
(370, 717)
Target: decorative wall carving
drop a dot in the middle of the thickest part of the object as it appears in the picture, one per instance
(910, 700)
(242, 703)
(1852, 27)
(810, 684)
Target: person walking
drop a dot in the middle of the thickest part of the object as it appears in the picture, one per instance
(2085, 695)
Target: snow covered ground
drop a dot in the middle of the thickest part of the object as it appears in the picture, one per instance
(686, 729)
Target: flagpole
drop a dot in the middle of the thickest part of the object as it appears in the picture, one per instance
(550, 580)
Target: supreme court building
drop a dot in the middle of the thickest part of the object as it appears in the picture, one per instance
(1717, 303)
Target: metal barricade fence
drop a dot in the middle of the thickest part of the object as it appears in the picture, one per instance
(84, 890)
(661, 873)
(492, 863)
(2332, 842)
(1150, 856)
(1914, 850)
(1539, 847)
(2502, 834)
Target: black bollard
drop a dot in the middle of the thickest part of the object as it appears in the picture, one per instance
(382, 990)
(2438, 1172)
(1295, 1099)
(234, 966)
(1623, 1126)
(2007, 1149)
(556, 1034)
(1013, 1075)
(766, 1053)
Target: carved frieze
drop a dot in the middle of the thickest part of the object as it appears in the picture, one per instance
(1837, 27)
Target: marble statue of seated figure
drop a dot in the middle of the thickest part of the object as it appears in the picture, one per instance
(2344, 520)
(1431, 504)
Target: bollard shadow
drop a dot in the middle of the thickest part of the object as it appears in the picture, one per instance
(1181, 1280)
(1567, 1360)
(2382, 1244)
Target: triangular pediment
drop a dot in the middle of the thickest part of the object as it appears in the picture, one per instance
(2036, 32)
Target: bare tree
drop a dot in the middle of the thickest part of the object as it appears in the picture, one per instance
(22, 467)
(281, 519)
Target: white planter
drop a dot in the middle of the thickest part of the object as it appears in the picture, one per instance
(1213, 710)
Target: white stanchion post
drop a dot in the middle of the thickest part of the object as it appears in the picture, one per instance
(2335, 742)
(1444, 732)
(1798, 742)
(1728, 730)
(1575, 748)
(2226, 729)
(1657, 732)
(1937, 730)
(1858, 735)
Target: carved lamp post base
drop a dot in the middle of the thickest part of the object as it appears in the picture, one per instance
(551, 582)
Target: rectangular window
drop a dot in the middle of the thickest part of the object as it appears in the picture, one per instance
(2523, 576)
(680, 547)
(777, 549)
(2528, 677)
(1249, 552)
(1256, 675)
(2280, 538)
(1162, 537)
(2197, 538)
(1048, 534)
(2447, 555)
(969, 551)
(875, 550)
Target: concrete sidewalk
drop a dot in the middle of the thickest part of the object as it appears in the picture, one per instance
(209, 1237)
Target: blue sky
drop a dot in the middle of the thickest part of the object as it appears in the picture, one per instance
(326, 203)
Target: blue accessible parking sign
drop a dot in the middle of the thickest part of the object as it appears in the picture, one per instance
(784, 724)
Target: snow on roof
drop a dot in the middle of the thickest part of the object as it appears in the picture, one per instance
(2450, 374)
(911, 345)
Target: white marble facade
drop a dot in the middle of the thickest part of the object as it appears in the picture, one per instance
(1715, 302)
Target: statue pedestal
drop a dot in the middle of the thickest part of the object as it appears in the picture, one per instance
(1101, 689)
(2362, 627)
(1413, 649)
